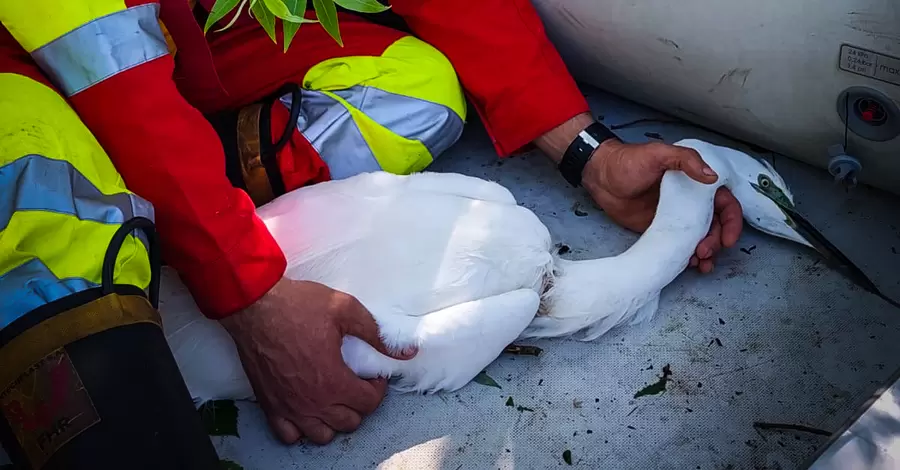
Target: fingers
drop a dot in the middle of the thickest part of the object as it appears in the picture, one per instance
(341, 418)
(380, 385)
(673, 157)
(711, 245)
(725, 230)
(730, 215)
(357, 321)
(284, 430)
(314, 430)
(368, 396)
(334, 418)
(356, 404)
(708, 247)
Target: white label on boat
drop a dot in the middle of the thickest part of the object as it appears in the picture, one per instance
(870, 64)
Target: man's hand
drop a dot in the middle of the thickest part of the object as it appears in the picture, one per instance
(624, 181)
(290, 346)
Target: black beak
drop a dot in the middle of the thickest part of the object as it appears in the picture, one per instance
(832, 255)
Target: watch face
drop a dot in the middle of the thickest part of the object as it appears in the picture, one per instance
(580, 151)
(588, 139)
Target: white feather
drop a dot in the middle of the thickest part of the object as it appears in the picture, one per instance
(451, 264)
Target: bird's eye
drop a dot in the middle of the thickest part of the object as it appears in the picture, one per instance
(764, 182)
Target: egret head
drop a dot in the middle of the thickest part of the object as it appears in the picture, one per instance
(766, 200)
(768, 206)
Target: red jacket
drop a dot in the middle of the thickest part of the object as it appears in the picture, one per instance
(149, 121)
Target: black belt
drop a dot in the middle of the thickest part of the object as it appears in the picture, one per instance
(251, 162)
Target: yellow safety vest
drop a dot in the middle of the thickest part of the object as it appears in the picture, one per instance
(61, 198)
(61, 201)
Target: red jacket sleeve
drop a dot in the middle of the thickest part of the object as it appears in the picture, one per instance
(169, 154)
(14, 59)
(511, 71)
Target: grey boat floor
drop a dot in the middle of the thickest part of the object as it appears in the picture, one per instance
(771, 335)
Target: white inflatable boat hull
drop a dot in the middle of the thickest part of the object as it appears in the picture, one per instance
(769, 72)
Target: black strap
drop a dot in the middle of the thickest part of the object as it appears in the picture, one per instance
(580, 151)
(269, 151)
(115, 245)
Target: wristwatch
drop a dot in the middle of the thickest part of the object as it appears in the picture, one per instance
(580, 150)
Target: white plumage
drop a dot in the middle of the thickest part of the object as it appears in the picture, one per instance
(451, 264)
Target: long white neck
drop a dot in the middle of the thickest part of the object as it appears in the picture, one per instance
(682, 220)
(597, 295)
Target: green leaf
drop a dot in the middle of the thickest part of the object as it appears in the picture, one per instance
(265, 18)
(218, 11)
(219, 417)
(326, 12)
(657, 387)
(485, 379)
(567, 456)
(280, 10)
(226, 464)
(298, 8)
(363, 6)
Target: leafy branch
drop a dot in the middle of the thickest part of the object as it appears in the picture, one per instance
(291, 13)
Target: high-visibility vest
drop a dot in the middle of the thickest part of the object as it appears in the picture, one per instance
(394, 111)
(61, 201)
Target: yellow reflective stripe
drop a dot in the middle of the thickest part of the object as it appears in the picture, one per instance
(69, 237)
(35, 23)
(408, 67)
(426, 74)
(70, 248)
(394, 153)
(34, 119)
(410, 70)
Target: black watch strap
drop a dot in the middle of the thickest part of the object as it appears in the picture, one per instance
(580, 150)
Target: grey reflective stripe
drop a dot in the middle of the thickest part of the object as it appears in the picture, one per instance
(102, 48)
(331, 130)
(433, 124)
(37, 183)
(30, 285)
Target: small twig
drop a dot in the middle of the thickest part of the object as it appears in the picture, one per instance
(643, 121)
(790, 427)
(521, 350)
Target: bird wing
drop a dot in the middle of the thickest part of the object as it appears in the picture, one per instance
(203, 350)
(456, 184)
(455, 343)
(410, 245)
